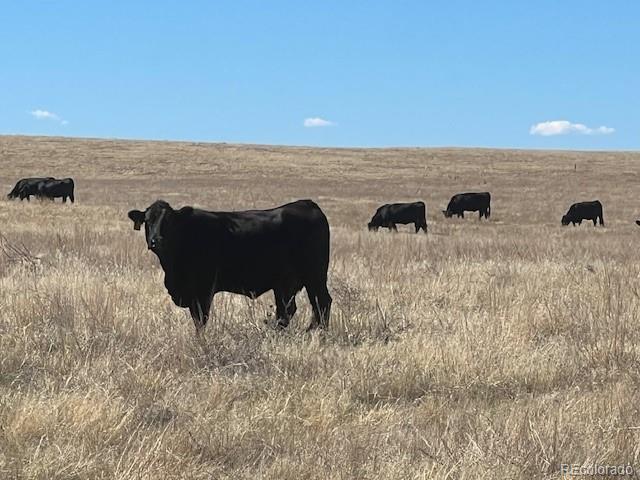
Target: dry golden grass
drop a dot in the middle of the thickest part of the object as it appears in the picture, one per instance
(490, 350)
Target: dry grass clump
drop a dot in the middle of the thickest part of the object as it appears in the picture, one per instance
(498, 349)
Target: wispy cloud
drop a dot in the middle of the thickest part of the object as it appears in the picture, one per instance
(46, 115)
(564, 127)
(317, 122)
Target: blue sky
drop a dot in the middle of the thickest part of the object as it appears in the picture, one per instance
(393, 73)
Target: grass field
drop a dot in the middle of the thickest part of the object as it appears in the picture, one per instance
(497, 349)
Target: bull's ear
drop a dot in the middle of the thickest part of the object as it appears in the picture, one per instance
(137, 217)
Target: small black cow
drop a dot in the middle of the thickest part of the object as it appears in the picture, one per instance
(201, 252)
(392, 213)
(583, 211)
(28, 185)
(469, 202)
(57, 188)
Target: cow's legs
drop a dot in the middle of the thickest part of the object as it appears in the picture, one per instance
(285, 306)
(199, 310)
(461, 214)
(419, 226)
(595, 221)
(64, 199)
(320, 304)
(393, 228)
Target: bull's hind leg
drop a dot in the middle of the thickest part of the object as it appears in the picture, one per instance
(320, 304)
(419, 226)
(285, 306)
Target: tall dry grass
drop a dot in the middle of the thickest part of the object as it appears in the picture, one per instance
(496, 349)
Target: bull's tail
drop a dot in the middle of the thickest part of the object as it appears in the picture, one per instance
(487, 214)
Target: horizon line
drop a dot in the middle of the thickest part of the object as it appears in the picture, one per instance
(355, 147)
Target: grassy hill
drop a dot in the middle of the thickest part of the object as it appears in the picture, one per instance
(497, 349)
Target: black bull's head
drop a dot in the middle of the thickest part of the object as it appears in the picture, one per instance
(157, 219)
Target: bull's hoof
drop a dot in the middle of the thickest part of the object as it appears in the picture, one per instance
(281, 324)
(312, 327)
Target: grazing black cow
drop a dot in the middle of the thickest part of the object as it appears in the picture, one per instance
(392, 213)
(57, 188)
(583, 211)
(30, 184)
(282, 249)
(469, 202)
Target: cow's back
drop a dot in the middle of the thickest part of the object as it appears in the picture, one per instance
(402, 213)
(586, 209)
(254, 250)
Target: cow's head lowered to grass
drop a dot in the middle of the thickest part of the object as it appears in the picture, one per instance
(157, 219)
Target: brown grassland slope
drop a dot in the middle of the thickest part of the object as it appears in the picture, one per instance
(497, 349)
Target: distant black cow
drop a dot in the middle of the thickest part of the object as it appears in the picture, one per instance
(57, 188)
(283, 249)
(30, 185)
(638, 222)
(583, 211)
(392, 213)
(469, 202)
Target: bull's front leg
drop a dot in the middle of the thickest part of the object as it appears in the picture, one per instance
(199, 310)
(285, 305)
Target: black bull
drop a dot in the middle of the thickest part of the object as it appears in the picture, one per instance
(57, 189)
(583, 211)
(282, 249)
(26, 187)
(403, 213)
(469, 202)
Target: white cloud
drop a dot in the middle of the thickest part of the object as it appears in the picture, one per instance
(564, 127)
(46, 115)
(317, 122)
